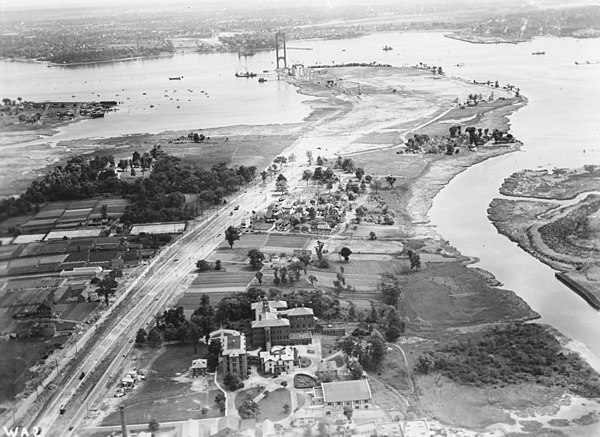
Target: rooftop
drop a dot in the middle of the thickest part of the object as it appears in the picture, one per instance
(344, 391)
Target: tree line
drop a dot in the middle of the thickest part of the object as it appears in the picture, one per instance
(158, 197)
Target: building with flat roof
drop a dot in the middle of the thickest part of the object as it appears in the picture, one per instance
(355, 394)
(234, 356)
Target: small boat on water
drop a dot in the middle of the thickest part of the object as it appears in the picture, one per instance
(176, 78)
(588, 62)
(387, 48)
(246, 74)
(538, 53)
(262, 80)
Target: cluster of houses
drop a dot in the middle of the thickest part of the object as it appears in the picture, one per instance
(319, 215)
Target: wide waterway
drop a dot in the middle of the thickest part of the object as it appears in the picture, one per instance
(559, 126)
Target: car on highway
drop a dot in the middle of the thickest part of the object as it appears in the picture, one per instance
(236, 207)
(175, 260)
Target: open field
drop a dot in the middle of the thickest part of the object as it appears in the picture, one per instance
(167, 394)
(16, 357)
(450, 295)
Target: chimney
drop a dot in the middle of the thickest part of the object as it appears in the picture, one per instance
(123, 424)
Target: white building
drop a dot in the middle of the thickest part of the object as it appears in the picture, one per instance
(279, 359)
(355, 394)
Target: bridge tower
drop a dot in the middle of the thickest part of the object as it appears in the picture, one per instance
(280, 49)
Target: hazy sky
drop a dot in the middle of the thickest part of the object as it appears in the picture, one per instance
(197, 4)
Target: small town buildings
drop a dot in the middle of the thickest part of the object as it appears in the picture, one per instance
(234, 358)
(339, 394)
(279, 359)
(198, 368)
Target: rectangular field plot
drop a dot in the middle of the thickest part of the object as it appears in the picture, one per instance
(231, 281)
(285, 243)
(191, 299)
(31, 238)
(247, 241)
(80, 233)
(159, 228)
(78, 312)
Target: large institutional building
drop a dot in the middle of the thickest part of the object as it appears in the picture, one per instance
(275, 324)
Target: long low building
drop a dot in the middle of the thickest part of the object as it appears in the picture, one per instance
(339, 394)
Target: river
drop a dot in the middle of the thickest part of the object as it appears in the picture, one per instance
(559, 126)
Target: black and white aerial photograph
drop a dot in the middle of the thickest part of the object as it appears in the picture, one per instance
(300, 218)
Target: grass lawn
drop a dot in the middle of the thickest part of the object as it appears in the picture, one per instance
(247, 394)
(167, 396)
(271, 406)
(328, 345)
(16, 357)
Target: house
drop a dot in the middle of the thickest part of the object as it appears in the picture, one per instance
(279, 359)
(339, 394)
(198, 368)
(45, 310)
(234, 356)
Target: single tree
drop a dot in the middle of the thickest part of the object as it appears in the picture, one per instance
(312, 279)
(231, 235)
(348, 410)
(309, 156)
(232, 381)
(259, 277)
(141, 336)
(286, 408)
(154, 337)
(264, 175)
(218, 265)
(153, 426)
(249, 409)
(203, 265)
(426, 363)
(376, 185)
(372, 236)
(391, 180)
(107, 287)
(415, 260)
(256, 259)
(345, 253)
(307, 176)
(221, 401)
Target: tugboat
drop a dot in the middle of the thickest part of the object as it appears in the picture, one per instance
(387, 48)
(538, 53)
(262, 80)
(590, 62)
(176, 78)
(246, 74)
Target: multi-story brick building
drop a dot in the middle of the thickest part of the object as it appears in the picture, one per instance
(275, 324)
(234, 358)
